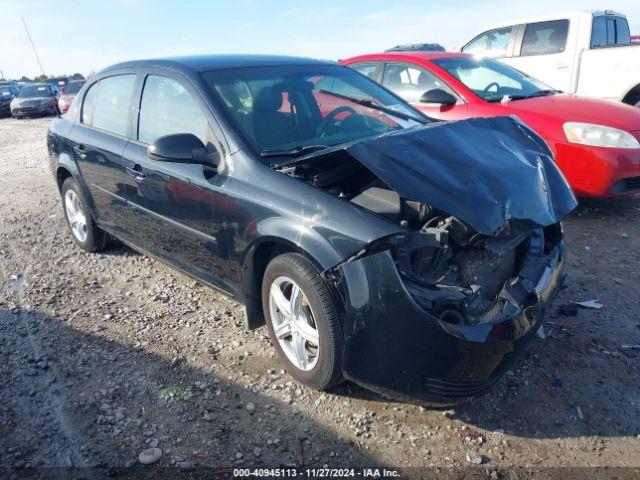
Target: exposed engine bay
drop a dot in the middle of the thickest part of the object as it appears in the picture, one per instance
(451, 270)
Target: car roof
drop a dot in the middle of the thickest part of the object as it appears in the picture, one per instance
(409, 55)
(204, 63)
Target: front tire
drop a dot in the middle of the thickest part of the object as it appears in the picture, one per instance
(84, 231)
(303, 321)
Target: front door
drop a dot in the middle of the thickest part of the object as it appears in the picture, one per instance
(99, 140)
(177, 211)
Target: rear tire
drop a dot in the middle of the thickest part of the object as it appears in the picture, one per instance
(321, 364)
(84, 231)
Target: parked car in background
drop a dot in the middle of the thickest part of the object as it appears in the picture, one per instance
(35, 99)
(417, 47)
(59, 82)
(8, 91)
(68, 93)
(595, 142)
(635, 39)
(332, 209)
(589, 53)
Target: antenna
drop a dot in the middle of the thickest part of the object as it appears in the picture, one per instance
(34, 47)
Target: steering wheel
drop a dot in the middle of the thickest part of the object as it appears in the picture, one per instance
(488, 87)
(331, 117)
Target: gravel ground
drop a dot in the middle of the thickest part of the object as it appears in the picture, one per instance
(105, 355)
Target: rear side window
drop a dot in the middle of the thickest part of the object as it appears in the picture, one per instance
(106, 104)
(168, 108)
(411, 82)
(368, 69)
(491, 44)
(609, 32)
(545, 38)
(599, 32)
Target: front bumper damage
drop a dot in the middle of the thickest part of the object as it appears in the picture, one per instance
(396, 347)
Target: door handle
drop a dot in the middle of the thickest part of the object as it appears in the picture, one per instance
(136, 172)
(80, 151)
(562, 66)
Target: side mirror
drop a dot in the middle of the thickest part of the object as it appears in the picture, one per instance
(183, 148)
(438, 96)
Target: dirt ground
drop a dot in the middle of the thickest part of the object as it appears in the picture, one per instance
(104, 355)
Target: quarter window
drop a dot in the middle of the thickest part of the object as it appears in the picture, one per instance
(167, 108)
(545, 38)
(491, 44)
(106, 104)
(411, 82)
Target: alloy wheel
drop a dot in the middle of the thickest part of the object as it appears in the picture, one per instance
(293, 323)
(75, 215)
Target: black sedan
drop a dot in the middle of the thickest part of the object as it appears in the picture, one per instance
(8, 91)
(412, 257)
(35, 99)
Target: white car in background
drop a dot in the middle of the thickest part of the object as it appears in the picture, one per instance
(588, 53)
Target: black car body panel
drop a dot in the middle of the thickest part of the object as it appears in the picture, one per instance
(220, 224)
(487, 172)
(396, 347)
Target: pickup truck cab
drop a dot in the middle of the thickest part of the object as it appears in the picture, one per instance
(588, 53)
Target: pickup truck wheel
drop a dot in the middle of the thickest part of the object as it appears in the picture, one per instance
(303, 321)
(84, 231)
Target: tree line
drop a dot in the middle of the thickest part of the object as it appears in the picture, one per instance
(42, 78)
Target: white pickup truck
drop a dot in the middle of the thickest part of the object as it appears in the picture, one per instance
(588, 53)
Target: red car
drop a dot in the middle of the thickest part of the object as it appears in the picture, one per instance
(68, 93)
(596, 142)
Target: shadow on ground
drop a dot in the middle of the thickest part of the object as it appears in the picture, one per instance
(73, 399)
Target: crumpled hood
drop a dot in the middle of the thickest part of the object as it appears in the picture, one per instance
(487, 172)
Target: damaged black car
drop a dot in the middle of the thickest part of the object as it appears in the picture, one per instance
(415, 258)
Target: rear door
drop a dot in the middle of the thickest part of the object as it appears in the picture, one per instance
(410, 82)
(98, 140)
(176, 211)
(542, 52)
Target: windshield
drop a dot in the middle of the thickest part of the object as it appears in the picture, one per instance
(73, 87)
(492, 80)
(31, 91)
(283, 108)
(4, 91)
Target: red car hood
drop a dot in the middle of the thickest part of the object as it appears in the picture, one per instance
(571, 108)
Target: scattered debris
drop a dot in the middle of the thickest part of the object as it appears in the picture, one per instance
(149, 456)
(298, 451)
(580, 415)
(474, 457)
(540, 333)
(595, 303)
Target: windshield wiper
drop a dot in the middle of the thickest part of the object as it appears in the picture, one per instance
(375, 106)
(543, 93)
(539, 93)
(295, 151)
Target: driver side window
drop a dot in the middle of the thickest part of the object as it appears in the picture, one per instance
(168, 108)
(410, 82)
(492, 44)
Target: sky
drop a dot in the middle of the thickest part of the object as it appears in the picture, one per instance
(84, 35)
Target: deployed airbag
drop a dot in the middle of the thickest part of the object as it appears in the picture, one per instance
(487, 172)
